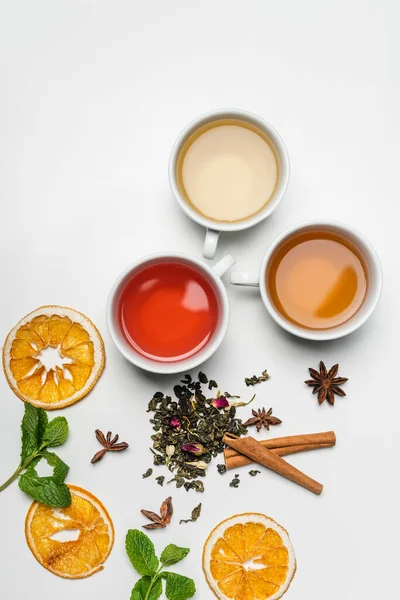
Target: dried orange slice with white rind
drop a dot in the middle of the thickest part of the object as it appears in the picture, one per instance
(72, 559)
(249, 557)
(78, 348)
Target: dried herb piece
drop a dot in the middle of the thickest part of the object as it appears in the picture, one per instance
(195, 515)
(190, 425)
(160, 480)
(325, 383)
(254, 472)
(262, 418)
(196, 485)
(221, 469)
(148, 473)
(163, 519)
(203, 379)
(254, 379)
(235, 482)
(110, 445)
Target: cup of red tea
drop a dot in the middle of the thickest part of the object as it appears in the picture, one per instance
(319, 280)
(169, 312)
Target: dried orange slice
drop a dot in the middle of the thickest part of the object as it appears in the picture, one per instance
(76, 558)
(249, 557)
(53, 357)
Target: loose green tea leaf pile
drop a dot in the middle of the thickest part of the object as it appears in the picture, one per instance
(141, 553)
(189, 429)
(39, 434)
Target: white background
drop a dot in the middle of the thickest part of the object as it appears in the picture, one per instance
(93, 95)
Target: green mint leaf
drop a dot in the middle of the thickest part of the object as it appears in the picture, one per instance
(141, 553)
(56, 432)
(142, 587)
(178, 587)
(60, 469)
(42, 424)
(30, 431)
(44, 489)
(173, 554)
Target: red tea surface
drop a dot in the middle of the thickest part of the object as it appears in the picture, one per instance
(317, 279)
(168, 311)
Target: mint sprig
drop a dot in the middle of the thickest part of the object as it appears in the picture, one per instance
(141, 553)
(39, 434)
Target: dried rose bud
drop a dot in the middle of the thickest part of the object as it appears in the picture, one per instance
(193, 448)
(220, 402)
(200, 464)
(175, 422)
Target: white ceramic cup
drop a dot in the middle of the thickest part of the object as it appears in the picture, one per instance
(214, 228)
(373, 290)
(213, 275)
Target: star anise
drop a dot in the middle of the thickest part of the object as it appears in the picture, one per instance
(326, 384)
(163, 519)
(110, 445)
(261, 418)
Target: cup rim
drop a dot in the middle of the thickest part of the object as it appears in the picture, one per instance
(360, 317)
(148, 364)
(279, 146)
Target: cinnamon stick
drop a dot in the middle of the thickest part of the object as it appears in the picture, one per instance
(263, 456)
(236, 460)
(326, 437)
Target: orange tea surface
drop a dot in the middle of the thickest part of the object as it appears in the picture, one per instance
(317, 279)
(168, 311)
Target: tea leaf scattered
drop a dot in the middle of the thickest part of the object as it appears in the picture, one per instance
(196, 512)
(254, 379)
(254, 473)
(148, 473)
(221, 469)
(160, 480)
(235, 482)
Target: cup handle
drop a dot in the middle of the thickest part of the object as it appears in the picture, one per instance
(210, 243)
(247, 279)
(223, 265)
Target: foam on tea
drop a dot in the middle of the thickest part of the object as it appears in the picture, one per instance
(168, 311)
(228, 170)
(317, 279)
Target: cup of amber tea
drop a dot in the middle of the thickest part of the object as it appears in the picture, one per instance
(319, 280)
(168, 313)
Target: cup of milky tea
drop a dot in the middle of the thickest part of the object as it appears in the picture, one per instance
(228, 170)
(319, 280)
